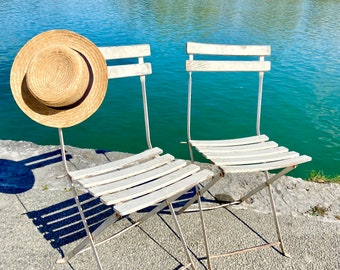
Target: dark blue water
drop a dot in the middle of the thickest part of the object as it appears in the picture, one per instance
(301, 95)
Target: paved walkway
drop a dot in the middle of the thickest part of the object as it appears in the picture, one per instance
(39, 223)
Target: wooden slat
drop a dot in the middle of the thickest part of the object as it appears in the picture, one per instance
(117, 164)
(252, 160)
(231, 66)
(137, 179)
(238, 148)
(162, 194)
(266, 166)
(223, 49)
(126, 172)
(230, 142)
(129, 51)
(121, 71)
(245, 154)
(151, 186)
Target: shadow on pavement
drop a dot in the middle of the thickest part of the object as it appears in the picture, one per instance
(17, 176)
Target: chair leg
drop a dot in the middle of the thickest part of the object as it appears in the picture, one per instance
(266, 183)
(87, 229)
(191, 153)
(198, 194)
(203, 228)
(181, 236)
(276, 221)
(82, 245)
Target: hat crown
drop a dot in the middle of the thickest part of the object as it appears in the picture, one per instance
(58, 76)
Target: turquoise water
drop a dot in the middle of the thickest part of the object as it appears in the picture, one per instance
(301, 96)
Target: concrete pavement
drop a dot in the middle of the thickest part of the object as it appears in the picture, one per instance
(39, 222)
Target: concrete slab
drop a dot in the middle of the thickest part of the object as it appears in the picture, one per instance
(39, 221)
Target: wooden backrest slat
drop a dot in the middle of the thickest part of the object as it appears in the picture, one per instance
(120, 71)
(197, 65)
(129, 51)
(221, 49)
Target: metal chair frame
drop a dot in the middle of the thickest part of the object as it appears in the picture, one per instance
(242, 155)
(138, 181)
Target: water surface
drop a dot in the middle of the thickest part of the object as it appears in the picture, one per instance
(301, 96)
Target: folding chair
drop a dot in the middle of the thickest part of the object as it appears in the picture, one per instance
(139, 181)
(242, 155)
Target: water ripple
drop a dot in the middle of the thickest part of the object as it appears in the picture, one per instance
(302, 92)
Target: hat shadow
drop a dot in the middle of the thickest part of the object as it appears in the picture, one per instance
(17, 176)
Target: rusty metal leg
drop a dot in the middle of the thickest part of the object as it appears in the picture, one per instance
(203, 228)
(88, 240)
(276, 221)
(198, 194)
(181, 235)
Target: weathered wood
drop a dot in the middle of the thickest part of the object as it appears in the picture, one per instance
(231, 66)
(237, 148)
(267, 166)
(114, 165)
(126, 172)
(137, 179)
(162, 194)
(151, 186)
(231, 142)
(245, 154)
(224, 49)
(115, 72)
(252, 160)
(121, 52)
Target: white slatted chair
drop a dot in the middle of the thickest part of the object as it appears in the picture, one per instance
(242, 155)
(138, 181)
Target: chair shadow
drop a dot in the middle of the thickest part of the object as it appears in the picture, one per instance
(250, 228)
(61, 224)
(17, 176)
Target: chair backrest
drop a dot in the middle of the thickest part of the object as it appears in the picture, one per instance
(121, 70)
(140, 68)
(235, 64)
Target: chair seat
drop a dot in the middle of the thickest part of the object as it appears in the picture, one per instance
(139, 181)
(249, 154)
(179, 187)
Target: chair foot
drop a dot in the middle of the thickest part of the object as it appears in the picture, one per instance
(62, 260)
(286, 255)
(188, 266)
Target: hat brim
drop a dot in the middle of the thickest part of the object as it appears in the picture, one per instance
(59, 117)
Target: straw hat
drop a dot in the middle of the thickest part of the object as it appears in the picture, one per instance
(59, 78)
